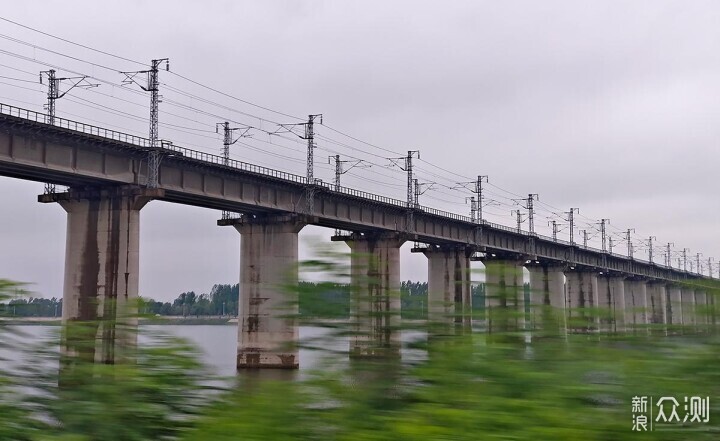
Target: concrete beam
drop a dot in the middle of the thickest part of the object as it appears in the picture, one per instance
(268, 332)
(449, 288)
(375, 283)
(101, 268)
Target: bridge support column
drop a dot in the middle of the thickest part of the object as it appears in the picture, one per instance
(688, 308)
(101, 269)
(701, 309)
(267, 330)
(582, 300)
(674, 305)
(504, 294)
(611, 299)
(375, 306)
(547, 297)
(449, 296)
(636, 304)
(657, 302)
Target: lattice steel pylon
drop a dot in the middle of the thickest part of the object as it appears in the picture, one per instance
(53, 94)
(229, 140)
(153, 86)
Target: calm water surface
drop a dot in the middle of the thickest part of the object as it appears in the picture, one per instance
(217, 344)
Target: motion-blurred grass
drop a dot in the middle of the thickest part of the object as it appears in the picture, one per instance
(471, 386)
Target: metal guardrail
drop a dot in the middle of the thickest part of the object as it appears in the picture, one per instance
(144, 143)
(74, 125)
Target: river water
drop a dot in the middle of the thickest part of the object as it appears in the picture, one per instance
(216, 343)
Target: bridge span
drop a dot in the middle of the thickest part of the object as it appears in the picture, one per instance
(106, 172)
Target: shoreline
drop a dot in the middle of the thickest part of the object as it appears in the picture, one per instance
(161, 320)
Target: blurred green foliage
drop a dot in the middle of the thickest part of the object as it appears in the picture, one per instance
(464, 387)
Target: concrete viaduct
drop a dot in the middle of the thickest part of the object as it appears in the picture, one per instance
(106, 172)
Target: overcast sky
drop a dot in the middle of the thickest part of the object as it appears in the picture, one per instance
(611, 107)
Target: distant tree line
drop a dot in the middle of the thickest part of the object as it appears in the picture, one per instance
(323, 299)
(32, 307)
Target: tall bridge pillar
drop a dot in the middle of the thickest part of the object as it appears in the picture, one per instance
(636, 304)
(688, 307)
(547, 296)
(267, 330)
(582, 300)
(375, 284)
(101, 268)
(449, 290)
(674, 305)
(701, 309)
(657, 302)
(611, 299)
(504, 294)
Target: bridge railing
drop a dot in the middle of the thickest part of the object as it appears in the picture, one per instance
(141, 142)
(74, 125)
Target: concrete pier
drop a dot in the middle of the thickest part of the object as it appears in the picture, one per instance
(547, 296)
(267, 329)
(611, 300)
(657, 302)
(688, 308)
(636, 304)
(449, 288)
(375, 283)
(504, 294)
(582, 300)
(674, 305)
(701, 309)
(101, 268)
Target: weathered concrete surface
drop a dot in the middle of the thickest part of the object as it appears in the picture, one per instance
(547, 297)
(657, 303)
(37, 151)
(449, 288)
(701, 308)
(267, 328)
(101, 267)
(375, 284)
(582, 300)
(611, 301)
(504, 294)
(636, 304)
(674, 305)
(688, 307)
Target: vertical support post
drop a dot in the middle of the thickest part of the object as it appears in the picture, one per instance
(547, 297)
(582, 298)
(616, 292)
(636, 305)
(688, 308)
(504, 294)
(268, 333)
(674, 305)
(449, 295)
(375, 305)
(101, 269)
